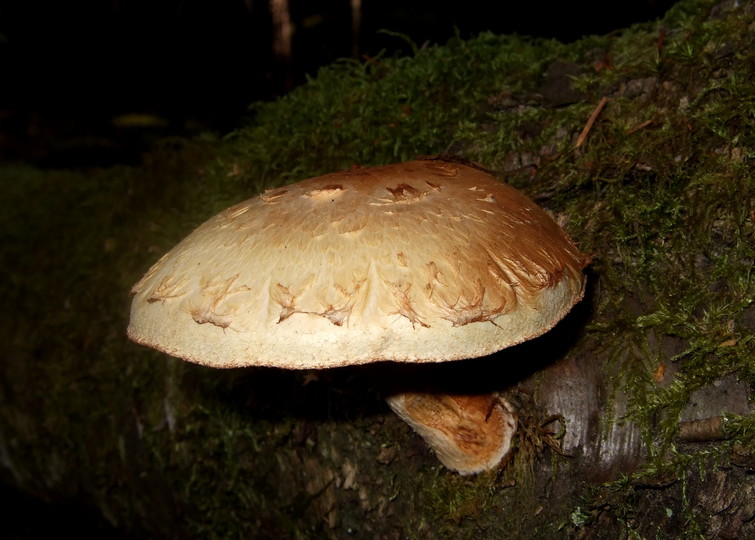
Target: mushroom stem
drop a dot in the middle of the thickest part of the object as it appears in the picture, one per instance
(468, 433)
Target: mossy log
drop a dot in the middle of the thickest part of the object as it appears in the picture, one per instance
(636, 415)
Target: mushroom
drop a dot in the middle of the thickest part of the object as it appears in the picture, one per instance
(423, 261)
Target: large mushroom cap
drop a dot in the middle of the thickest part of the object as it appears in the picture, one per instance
(422, 261)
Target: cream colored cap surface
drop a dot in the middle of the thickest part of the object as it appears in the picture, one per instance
(421, 261)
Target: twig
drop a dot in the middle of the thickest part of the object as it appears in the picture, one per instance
(590, 122)
(637, 128)
(707, 429)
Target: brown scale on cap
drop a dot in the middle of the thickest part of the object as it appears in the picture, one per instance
(423, 261)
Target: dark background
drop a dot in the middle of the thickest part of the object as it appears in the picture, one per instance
(67, 68)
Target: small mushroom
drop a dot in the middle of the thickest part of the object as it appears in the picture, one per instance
(423, 261)
(468, 433)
